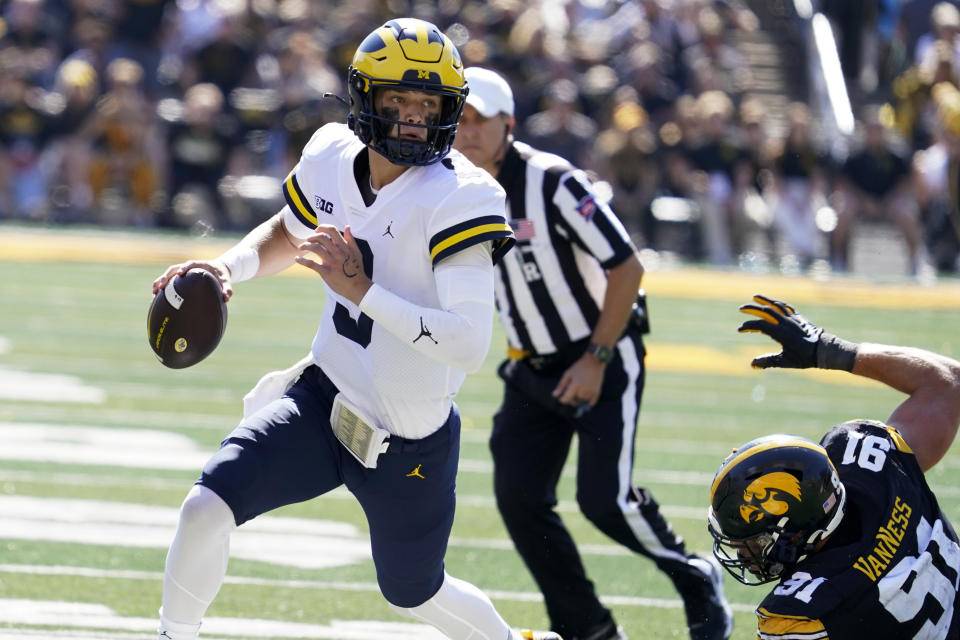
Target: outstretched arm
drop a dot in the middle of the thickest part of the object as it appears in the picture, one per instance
(927, 419)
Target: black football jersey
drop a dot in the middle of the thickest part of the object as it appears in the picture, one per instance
(892, 569)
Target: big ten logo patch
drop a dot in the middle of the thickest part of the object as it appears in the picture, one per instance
(322, 205)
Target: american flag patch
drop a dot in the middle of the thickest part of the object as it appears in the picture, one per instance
(586, 207)
(522, 229)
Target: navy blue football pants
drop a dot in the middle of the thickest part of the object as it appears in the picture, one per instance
(530, 443)
(287, 453)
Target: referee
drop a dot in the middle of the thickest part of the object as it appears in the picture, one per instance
(568, 300)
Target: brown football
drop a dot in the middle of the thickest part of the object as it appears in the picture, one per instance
(187, 319)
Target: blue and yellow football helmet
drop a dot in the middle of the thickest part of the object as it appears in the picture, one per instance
(772, 501)
(408, 54)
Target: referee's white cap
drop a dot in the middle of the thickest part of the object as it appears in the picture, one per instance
(489, 93)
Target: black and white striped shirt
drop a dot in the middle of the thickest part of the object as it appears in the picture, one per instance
(550, 287)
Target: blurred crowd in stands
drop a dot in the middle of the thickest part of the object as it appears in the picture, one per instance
(188, 113)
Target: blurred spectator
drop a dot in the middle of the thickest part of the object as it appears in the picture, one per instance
(306, 75)
(126, 155)
(226, 61)
(716, 157)
(914, 22)
(656, 90)
(659, 27)
(561, 127)
(944, 26)
(752, 178)
(627, 160)
(24, 130)
(875, 183)
(28, 45)
(202, 144)
(140, 32)
(736, 15)
(72, 103)
(529, 61)
(714, 63)
(935, 171)
(93, 43)
(800, 168)
(915, 113)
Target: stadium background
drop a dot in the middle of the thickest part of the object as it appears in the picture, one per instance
(104, 182)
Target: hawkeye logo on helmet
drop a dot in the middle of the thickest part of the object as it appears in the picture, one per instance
(769, 494)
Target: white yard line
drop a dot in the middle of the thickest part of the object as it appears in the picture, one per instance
(292, 542)
(47, 387)
(75, 619)
(369, 587)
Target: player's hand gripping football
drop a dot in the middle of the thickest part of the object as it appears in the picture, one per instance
(215, 267)
(804, 344)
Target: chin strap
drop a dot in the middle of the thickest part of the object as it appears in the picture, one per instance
(341, 99)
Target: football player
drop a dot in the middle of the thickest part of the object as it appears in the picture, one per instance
(404, 235)
(848, 528)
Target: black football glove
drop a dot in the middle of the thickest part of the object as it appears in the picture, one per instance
(804, 344)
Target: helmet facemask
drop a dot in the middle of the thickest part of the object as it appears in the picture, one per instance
(374, 126)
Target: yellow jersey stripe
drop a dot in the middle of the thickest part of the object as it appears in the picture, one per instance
(295, 199)
(898, 440)
(772, 626)
(463, 235)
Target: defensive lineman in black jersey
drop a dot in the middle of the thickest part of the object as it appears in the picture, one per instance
(848, 527)
(567, 297)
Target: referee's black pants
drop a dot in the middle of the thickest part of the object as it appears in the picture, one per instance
(530, 443)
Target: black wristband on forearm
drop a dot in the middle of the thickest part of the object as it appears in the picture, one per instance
(836, 353)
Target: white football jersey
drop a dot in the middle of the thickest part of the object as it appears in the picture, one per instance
(425, 215)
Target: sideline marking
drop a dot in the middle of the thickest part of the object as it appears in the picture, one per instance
(497, 594)
(695, 283)
(700, 359)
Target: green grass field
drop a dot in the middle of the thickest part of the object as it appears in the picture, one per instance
(99, 443)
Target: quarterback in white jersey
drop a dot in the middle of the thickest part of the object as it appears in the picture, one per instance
(404, 235)
(408, 360)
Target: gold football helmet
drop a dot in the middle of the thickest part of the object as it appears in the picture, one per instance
(409, 54)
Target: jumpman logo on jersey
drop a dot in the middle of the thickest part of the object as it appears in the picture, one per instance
(416, 473)
(164, 634)
(425, 332)
(388, 232)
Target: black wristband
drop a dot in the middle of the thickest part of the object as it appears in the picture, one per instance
(835, 353)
